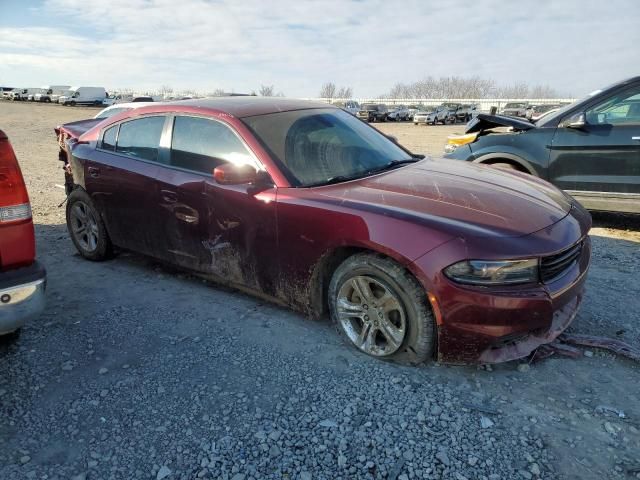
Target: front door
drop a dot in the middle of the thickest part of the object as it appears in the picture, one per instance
(599, 163)
(228, 231)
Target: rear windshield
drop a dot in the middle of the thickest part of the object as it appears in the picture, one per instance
(106, 113)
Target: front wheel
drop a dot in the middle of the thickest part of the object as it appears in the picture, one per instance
(86, 227)
(381, 309)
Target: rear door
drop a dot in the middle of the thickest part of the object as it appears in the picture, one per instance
(121, 179)
(600, 163)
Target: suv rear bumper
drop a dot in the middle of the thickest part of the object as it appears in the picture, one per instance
(22, 296)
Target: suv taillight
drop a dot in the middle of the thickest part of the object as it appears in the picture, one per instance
(14, 200)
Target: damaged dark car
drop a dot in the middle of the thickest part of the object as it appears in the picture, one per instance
(412, 258)
(590, 149)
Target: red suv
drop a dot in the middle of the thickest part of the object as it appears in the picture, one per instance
(22, 279)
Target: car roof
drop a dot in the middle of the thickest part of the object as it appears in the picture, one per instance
(240, 107)
(129, 105)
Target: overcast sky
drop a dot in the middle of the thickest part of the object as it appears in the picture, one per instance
(574, 46)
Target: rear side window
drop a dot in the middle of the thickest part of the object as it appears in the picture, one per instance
(109, 138)
(201, 144)
(141, 138)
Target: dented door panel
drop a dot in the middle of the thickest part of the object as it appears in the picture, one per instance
(181, 217)
(241, 235)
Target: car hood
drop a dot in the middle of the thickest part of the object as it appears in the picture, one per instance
(485, 122)
(456, 197)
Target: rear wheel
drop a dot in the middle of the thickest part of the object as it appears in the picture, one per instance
(380, 308)
(86, 227)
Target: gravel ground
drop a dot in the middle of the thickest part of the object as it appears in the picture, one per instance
(136, 371)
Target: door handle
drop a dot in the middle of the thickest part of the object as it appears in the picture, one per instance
(94, 172)
(635, 138)
(169, 196)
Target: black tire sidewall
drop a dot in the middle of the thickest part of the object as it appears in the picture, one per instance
(104, 248)
(419, 342)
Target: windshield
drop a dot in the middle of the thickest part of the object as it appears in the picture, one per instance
(320, 146)
(110, 112)
(367, 106)
(514, 105)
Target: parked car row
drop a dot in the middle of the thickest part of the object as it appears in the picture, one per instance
(446, 113)
(71, 96)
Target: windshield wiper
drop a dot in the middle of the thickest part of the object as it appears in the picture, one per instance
(332, 180)
(391, 165)
(345, 178)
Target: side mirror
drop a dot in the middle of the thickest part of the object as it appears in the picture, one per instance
(230, 174)
(577, 121)
(393, 138)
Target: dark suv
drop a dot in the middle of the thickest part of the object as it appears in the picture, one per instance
(591, 148)
(372, 112)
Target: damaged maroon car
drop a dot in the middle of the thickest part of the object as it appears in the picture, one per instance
(412, 258)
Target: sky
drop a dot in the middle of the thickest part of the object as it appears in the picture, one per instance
(575, 46)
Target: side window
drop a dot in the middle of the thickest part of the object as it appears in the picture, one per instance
(200, 144)
(141, 138)
(109, 138)
(620, 109)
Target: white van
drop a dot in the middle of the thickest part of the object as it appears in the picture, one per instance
(23, 93)
(84, 96)
(50, 93)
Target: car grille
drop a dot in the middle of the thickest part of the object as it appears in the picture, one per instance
(554, 266)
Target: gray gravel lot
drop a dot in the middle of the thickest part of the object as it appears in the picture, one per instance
(137, 371)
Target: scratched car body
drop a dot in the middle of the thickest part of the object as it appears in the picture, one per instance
(412, 258)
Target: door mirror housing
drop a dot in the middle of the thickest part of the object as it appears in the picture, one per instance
(231, 174)
(577, 121)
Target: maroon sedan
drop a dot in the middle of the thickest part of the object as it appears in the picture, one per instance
(302, 202)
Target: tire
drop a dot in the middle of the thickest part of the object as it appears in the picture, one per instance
(415, 123)
(408, 311)
(86, 228)
(506, 166)
(9, 338)
(72, 103)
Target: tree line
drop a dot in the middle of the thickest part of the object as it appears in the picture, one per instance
(428, 87)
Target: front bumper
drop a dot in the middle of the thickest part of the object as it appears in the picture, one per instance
(22, 296)
(492, 325)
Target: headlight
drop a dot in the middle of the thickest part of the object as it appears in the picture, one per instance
(490, 272)
(455, 141)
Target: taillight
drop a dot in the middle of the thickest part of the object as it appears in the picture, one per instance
(14, 200)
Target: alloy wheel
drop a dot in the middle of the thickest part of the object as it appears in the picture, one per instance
(371, 315)
(84, 226)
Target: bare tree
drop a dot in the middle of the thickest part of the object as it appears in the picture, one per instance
(543, 91)
(466, 87)
(328, 90)
(344, 92)
(218, 92)
(166, 90)
(267, 90)
(517, 90)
